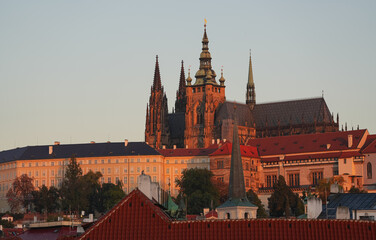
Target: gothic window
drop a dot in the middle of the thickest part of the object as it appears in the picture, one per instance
(369, 170)
(228, 216)
(199, 115)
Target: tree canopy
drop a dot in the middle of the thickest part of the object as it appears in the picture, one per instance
(253, 198)
(196, 184)
(46, 200)
(19, 195)
(283, 202)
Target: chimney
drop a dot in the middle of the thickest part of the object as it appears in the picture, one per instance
(50, 149)
(92, 142)
(224, 140)
(174, 146)
(349, 141)
(163, 146)
(218, 140)
(213, 141)
(328, 146)
(56, 143)
(186, 146)
(126, 142)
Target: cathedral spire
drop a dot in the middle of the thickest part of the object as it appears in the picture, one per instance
(251, 93)
(157, 76)
(180, 103)
(182, 78)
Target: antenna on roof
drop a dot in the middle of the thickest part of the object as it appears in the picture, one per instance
(322, 93)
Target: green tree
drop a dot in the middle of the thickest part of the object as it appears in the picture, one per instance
(46, 200)
(6, 224)
(253, 198)
(109, 195)
(197, 185)
(19, 195)
(91, 186)
(283, 202)
(72, 194)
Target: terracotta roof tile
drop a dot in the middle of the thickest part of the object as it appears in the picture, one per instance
(319, 142)
(226, 148)
(182, 152)
(370, 145)
(135, 217)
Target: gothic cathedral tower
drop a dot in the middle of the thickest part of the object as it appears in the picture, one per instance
(203, 97)
(156, 127)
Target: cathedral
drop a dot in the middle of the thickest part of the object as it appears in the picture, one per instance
(202, 115)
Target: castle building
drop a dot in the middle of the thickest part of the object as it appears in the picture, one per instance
(203, 114)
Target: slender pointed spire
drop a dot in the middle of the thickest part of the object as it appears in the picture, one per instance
(182, 78)
(157, 85)
(236, 185)
(181, 101)
(251, 93)
(250, 72)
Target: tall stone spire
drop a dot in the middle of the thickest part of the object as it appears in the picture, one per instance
(157, 76)
(236, 184)
(251, 94)
(180, 103)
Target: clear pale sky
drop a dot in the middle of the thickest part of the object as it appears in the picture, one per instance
(80, 71)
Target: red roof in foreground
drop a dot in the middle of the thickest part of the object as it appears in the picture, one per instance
(226, 149)
(136, 217)
(306, 143)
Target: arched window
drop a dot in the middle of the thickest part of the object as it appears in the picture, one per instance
(369, 170)
(246, 215)
(227, 215)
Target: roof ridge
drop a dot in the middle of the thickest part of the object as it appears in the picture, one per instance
(292, 100)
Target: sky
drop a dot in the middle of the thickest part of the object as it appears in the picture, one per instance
(81, 71)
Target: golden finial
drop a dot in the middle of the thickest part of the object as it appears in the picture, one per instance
(205, 22)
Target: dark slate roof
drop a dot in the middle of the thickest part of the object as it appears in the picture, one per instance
(308, 109)
(176, 123)
(80, 150)
(354, 201)
(243, 113)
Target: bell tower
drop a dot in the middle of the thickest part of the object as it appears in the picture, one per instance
(203, 97)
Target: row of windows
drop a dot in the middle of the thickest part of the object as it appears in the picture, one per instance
(182, 161)
(294, 179)
(103, 161)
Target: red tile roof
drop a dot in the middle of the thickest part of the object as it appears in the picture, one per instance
(370, 145)
(307, 143)
(226, 149)
(182, 152)
(212, 214)
(135, 217)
